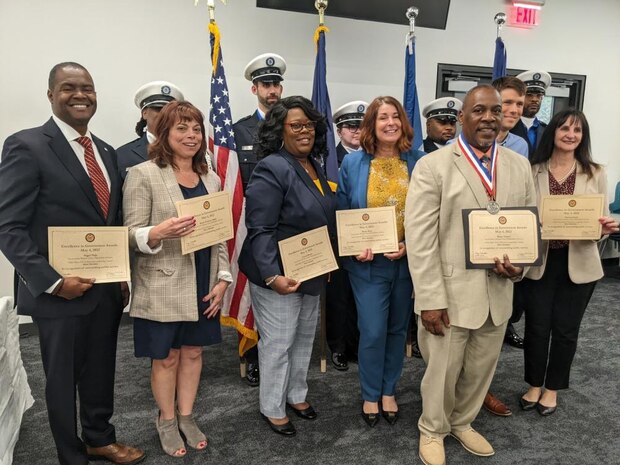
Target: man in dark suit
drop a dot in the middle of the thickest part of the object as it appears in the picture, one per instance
(150, 99)
(440, 117)
(265, 73)
(59, 174)
(530, 127)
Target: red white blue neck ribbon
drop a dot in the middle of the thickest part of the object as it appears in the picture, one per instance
(488, 177)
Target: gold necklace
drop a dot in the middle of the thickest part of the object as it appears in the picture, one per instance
(305, 164)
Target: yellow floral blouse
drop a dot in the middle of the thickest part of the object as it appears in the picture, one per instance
(388, 181)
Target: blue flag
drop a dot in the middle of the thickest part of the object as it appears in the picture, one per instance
(499, 62)
(410, 100)
(320, 99)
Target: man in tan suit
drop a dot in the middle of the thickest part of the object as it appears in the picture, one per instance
(462, 312)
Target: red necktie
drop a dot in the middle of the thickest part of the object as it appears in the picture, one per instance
(96, 175)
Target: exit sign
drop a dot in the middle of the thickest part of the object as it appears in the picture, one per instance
(524, 15)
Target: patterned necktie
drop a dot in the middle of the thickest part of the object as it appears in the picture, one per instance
(96, 175)
(486, 162)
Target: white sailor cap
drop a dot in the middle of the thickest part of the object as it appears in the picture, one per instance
(352, 113)
(267, 67)
(536, 81)
(445, 107)
(157, 94)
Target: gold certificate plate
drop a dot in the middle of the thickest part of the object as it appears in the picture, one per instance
(99, 252)
(214, 224)
(367, 228)
(566, 217)
(512, 231)
(307, 255)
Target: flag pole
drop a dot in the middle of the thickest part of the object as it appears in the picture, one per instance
(321, 6)
(500, 20)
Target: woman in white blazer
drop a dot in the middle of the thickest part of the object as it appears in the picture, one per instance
(176, 297)
(557, 293)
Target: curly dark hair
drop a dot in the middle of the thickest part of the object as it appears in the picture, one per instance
(583, 152)
(160, 151)
(270, 131)
(140, 125)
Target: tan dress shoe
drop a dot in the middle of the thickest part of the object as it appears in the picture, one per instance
(496, 406)
(432, 451)
(473, 442)
(116, 453)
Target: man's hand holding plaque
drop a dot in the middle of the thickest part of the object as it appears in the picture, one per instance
(512, 232)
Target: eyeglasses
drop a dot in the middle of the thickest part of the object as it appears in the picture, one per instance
(297, 127)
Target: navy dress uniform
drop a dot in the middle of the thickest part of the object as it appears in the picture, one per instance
(440, 117)
(266, 68)
(536, 82)
(153, 95)
(349, 115)
(341, 312)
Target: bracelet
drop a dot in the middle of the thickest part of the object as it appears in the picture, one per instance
(58, 287)
(272, 280)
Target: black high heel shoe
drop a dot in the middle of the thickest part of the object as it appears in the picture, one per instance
(371, 419)
(287, 429)
(544, 410)
(528, 405)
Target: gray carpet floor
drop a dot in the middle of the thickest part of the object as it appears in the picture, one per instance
(584, 430)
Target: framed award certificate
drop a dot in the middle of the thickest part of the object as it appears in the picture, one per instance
(367, 228)
(513, 231)
(307, 255)
(214, 223)
(99, 252)
(567, 217)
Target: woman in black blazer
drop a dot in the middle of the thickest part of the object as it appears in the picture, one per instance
(286, 195)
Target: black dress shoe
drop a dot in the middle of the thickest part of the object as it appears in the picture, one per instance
(512, 338)
(307, 414)
(371, 419)
(287, 429)
(544, 410)
(252, 376)
(527, 404)
(339, 360)
(390, 417)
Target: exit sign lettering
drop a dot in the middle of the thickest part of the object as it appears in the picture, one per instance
(523, 16)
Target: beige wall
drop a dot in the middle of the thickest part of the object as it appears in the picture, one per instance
(126, 43)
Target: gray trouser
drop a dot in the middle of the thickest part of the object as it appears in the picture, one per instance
(287, 325)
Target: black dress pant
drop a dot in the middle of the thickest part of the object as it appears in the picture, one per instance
(341, 315)
(80, 352)
(553, 312)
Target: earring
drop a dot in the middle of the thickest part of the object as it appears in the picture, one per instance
(282, 144)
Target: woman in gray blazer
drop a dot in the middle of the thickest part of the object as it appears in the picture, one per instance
(557, 293)
(176, 298)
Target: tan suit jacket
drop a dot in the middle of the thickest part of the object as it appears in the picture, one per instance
(164, 284)
(442, 185)
(584, 260)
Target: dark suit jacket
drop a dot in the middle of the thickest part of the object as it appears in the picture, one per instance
(520, 130)
(246, 130)
(341, 152)
(131, 154)
(283, 201)
(352, 193)
(42, 183)
(429, 145)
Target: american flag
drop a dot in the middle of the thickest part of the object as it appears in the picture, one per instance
(237, 309)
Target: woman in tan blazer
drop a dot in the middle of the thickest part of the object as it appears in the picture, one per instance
(557, 293)
(176, 298)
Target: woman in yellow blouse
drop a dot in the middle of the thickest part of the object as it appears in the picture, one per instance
(378, 176)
